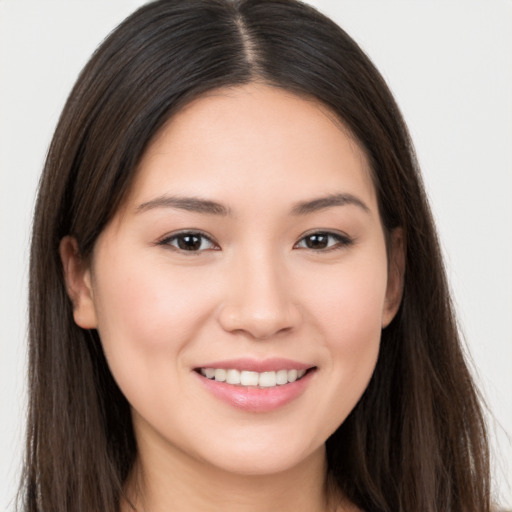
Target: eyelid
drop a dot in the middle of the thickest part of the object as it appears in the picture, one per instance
(343, 240)
(166, 239)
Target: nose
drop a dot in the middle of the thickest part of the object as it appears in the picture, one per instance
(259, 301)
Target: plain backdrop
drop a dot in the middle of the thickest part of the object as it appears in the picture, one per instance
(449, 64)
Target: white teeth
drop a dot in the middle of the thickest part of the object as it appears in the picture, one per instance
(249, 378)
(267, 379)
(209, 373)
(220, 375)
(233, 377)
(282, 377)
(292, 375)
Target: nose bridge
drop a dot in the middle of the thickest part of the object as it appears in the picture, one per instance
(259, 299)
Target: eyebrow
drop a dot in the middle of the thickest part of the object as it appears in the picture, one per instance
(191, 204)
(321, 203)
(209, 207)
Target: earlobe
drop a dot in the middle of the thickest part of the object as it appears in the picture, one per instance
(396, 271)
(77, 276)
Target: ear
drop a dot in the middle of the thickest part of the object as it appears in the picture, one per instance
(396, 271)
(77, 276)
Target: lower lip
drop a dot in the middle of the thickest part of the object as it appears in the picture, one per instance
(253, 399)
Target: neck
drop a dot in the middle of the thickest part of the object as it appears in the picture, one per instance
(168, 479)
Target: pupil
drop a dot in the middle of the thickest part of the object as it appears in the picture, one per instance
(316, 241)
(189, 242)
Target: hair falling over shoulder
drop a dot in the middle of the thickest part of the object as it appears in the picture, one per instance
(416, 441)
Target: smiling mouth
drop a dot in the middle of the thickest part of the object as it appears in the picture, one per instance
(246, 378)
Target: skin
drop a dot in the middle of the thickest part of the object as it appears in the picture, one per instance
(253, 289)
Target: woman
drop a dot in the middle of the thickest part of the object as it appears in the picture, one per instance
(237, 296)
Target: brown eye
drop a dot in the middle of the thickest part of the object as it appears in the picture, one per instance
(319, 241)
(323, 241)
(190, 242)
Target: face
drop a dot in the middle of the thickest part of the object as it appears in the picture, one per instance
(241, 290)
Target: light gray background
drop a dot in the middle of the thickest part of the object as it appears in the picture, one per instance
(449, 64)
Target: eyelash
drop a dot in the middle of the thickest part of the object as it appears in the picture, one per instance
(177, 237)
(340, 241)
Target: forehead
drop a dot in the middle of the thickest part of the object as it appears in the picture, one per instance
(257, 137)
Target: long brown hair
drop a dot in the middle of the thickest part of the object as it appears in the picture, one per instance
(416, 440)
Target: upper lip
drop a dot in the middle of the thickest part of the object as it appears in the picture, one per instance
(257, 365)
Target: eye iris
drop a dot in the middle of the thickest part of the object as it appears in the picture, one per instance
(317, 241)
(189, 242)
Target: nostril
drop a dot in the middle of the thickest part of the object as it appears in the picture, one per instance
(261, 322)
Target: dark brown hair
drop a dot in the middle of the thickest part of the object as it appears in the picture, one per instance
(416, 440)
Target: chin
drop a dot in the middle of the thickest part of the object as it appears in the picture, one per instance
(263, 453)
(264, 464)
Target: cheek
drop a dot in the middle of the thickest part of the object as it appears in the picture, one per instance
(147, 316)
(349, 302)
(348, 312)
(149, 307)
